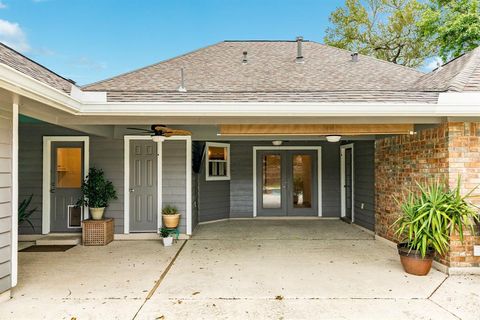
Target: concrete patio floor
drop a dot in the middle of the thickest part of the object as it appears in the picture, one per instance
(262, 269)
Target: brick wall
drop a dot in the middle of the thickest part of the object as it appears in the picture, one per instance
(442, 152)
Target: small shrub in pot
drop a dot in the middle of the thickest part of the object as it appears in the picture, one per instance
(428, 220)
(171, 216)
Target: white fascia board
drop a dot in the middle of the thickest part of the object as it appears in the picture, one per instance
(459, 98)
(88, 96)
(18, 82)
(277, 109)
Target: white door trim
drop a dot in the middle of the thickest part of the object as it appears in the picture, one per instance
(342, 180)
(47, 159)
(319, 171)
(126, 176)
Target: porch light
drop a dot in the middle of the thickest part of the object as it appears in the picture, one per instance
(333, 138)
(157, 138)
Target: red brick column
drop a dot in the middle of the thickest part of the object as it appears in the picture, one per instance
(437, 153)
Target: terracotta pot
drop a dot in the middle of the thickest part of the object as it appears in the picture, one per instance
(97, 213)
(413, 262)
(171, 220)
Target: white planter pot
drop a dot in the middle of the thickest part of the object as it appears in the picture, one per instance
(167, 242)
(97, 213)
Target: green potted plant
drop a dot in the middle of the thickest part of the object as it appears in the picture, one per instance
(170, 216)
(97, 192)
(24, 213)
(166, 237)
(428, 220)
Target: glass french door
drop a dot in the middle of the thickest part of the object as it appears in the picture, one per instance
(287, 183)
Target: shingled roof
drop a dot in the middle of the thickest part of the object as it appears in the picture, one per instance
(271, 73)
(33, 69)
(460, 74)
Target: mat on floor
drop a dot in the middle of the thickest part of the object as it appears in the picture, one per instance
(57, 248)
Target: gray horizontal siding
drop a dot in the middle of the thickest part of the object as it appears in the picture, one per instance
(108, 155)
(364, 166)
(5, 198)
(174, 177)
(214, 197)
(30, 155)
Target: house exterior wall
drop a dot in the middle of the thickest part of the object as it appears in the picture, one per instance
(174, 178)
(6, 129)
(106, 154)
(364, 189)
(241, 185)
(436, 153)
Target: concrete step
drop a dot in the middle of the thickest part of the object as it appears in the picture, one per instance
(58, 240)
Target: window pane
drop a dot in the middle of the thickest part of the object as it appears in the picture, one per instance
(302, 181)
(217, 153)
(69, 167)
(272, 182)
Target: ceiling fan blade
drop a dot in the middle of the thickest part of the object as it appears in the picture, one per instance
(139, 129)
(175, 132)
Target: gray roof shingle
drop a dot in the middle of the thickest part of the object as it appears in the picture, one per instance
(460, 74)
(271, 67)
(31, 68)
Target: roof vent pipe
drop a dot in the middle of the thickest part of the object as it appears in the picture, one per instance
(354, 57)
(245, 57)
(182, 82)
(299, 58)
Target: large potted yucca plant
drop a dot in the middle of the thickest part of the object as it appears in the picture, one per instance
(97, 192)
(429, 217)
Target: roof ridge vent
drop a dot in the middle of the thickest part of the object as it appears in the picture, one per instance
(182, 88)
(245, 60)
(355, 56)
(299, 58)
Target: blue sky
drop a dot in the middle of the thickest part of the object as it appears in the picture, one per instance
(90, 40)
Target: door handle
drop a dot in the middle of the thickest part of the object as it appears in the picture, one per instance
(131, 190)
(52, 188)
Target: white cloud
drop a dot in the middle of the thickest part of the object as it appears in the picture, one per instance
(433, 63)
(13, 36)
(87, 63)
(2, 5)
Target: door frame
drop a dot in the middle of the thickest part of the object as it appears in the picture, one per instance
(287, 148)
(188, 185)
(47, 164)
(342, 180)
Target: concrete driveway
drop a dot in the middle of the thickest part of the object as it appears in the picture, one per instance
(262, 269)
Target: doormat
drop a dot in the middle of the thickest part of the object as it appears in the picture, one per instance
(57, 248)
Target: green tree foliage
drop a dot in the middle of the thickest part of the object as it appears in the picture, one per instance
(386, 29)
(452, 26)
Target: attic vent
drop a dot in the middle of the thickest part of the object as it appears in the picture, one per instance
(182, 82)
(299, 58)
(354, 57)
(245, 57)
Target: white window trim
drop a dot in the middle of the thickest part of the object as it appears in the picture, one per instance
(319, 172)
(342, 180)
(219, 145)
(47, 159)
(188, 185)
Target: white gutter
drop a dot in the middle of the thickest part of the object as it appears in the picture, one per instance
(94, 104)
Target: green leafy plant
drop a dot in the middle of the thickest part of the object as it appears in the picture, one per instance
(431, 216)
(164, 232)
(24, 213)
(97, 191)
(170, 210)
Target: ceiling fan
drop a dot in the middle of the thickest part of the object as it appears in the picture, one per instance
(159, 132)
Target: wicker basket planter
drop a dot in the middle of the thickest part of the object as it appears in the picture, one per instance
(97, 232)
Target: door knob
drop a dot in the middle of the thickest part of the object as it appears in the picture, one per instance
(131, 190)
